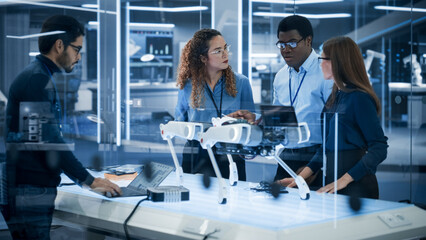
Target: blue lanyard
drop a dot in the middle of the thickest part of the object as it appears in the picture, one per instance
(57, 107)
(292, 100)
(218, 111)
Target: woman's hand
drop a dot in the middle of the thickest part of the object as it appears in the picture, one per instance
(304, 172)
(341, 183)
(286, 182)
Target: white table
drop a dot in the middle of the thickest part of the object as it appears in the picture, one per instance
(247, 215)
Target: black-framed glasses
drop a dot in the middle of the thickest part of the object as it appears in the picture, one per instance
(323, 58)
(76, 48)
(282, 45)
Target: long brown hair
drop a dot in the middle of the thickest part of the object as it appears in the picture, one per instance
(191, 67)
(348, 68)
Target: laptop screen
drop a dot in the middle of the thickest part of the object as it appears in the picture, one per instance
(278, 116)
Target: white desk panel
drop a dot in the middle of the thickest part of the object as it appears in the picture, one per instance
(247, 215)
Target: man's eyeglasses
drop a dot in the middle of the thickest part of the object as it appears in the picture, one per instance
(221, 51)
(76, 48)
(282, 45)
(323, 58)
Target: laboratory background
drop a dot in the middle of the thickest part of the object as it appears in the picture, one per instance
(124, 86)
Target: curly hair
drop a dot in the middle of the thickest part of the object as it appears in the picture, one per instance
(191, 67)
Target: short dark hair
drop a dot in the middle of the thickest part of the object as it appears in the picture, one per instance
(296, 22)
(73, 29)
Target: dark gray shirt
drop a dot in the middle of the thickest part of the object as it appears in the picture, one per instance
(34, 84)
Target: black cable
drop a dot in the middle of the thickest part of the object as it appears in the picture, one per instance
(131, 214)
(209, 234)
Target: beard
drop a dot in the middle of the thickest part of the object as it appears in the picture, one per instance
(65, 62)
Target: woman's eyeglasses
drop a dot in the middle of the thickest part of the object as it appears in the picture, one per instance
(320, 59)
(221, 51)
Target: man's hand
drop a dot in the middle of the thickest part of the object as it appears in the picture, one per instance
(244, 114)
(103, 185)
(341, 183)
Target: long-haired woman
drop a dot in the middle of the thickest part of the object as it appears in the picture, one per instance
(209, 88)
(362, 145)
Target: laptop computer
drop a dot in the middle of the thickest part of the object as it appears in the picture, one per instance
(139, 185)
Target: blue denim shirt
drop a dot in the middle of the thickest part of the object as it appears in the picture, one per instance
(243, 100)
(313, 94)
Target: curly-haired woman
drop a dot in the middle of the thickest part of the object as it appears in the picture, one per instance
(209, 88)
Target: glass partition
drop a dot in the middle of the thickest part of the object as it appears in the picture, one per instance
(124, 86)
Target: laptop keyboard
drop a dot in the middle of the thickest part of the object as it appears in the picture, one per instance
(128, 192)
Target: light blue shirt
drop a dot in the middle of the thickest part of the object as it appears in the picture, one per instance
(309, 102)
(242, 101)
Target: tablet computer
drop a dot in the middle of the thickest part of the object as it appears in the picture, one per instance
(278, 116)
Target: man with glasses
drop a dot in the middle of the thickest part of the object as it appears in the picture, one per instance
(34, 175)
(300, 84)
